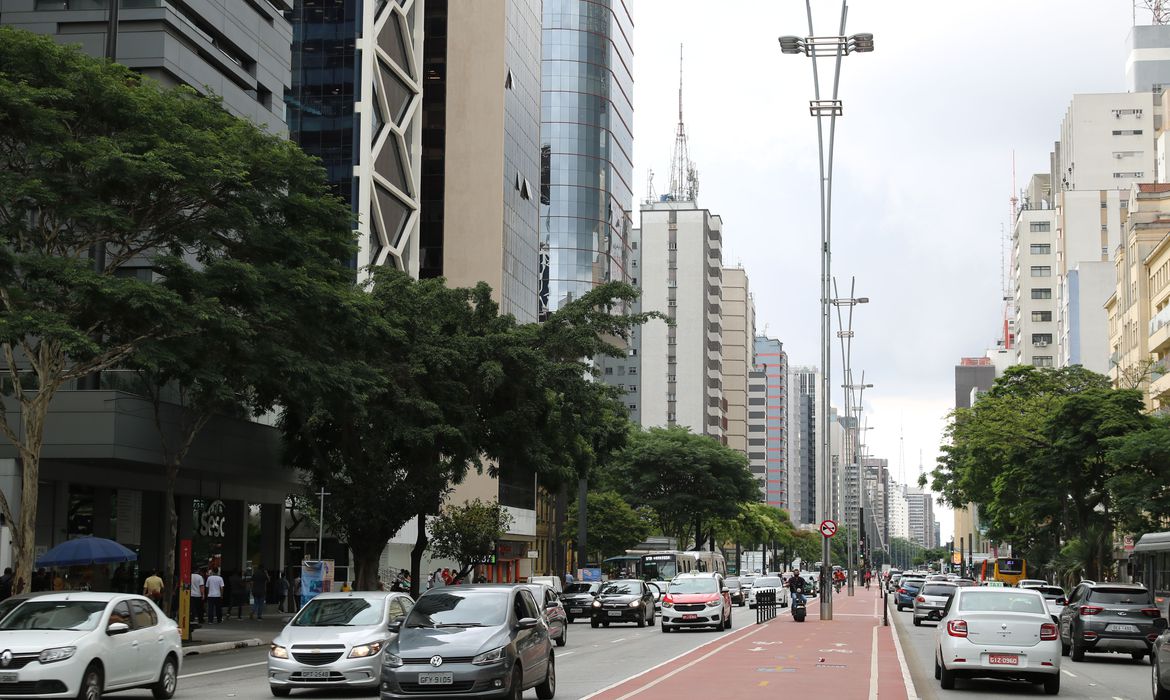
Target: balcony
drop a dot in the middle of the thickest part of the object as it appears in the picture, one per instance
(1159, 329)
(1160, 380)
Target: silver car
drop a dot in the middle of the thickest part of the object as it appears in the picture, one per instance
(477, 641)
(335, 641)
(931, 599)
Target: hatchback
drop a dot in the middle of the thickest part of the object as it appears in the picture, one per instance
(907, 590)
(577, 599)
(697, 600)
(477, 640)
(931, 599)
(627, 600)
(1108, 617)
(554, 612)
(997, 633)
(335, 641)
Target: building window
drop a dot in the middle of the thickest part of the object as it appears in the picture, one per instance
(1041, 316)
(1041, 339)
(1041, 271)
(633, 370)
(633, 389)
(1127, 132)
(1042, 361)
(1042, 293)
(1040, 249)
(1040, 226)
(672, 246)
(609, 370)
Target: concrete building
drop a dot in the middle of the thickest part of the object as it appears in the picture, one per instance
(920, 516)
(876, 478)
(899, 516)
(625, 372)
(803, 444)
(757, 427)
(1147, 68)
(1157, 271)
(682, 364)
(772, 363)
(1086, 331)
(737, 328)
(973, 376)
(1034, 274)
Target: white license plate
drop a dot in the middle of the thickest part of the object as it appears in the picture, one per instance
(1121, 628)
(576, 611)
(1003, 659)
(9, 677)
(615, 613)
(436, 678)
(314, 674)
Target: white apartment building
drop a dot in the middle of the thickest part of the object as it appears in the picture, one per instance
(899, 515)
(920, 516)
(803, 383)
(772, 370)
(1034, 273)
(737, 327)
(757, 426)
(682, 364)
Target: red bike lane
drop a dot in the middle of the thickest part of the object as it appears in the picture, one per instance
(852, 655)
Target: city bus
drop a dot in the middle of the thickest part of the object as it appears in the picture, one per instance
(1150, 560)
(665, 565)
(1009, 570)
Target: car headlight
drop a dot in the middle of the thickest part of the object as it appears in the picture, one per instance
(597, 603)
(489, 657)
(48, 656)
(278, 652)
(364, 650)
(391, 660)
(714, 603)
(635, 603)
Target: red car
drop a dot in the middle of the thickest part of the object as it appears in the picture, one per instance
(696, 600)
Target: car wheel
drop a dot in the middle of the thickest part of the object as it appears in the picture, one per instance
(651, 623)
(937, 669)
(727, 623)
(91, 684)
(594, 624)
(564, 638)
(1159, 693)
(605, 624)
(664, 628)
(946, 678)
(918, 622)
(548, 688)
(1052, 684)
(570, 620)
(168, 680)
(642, 621)
(279, 692)
(1138, 656)
(1064, 648)
(899, 607)
(516, 692)
(1078, 651)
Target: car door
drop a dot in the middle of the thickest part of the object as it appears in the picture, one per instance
(531, 647)
(119, 654)
(151, 641)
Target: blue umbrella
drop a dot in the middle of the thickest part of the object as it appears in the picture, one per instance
(86, 550)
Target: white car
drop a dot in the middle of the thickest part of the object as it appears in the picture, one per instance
(997, 633)
(336, 641)
(81, 644)
(768, 583)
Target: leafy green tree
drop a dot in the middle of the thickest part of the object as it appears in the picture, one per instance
(614, 526)
(1141, 465)
(468, 533)
(688, 480)
(112, 191)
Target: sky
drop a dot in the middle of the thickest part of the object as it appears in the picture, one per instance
(934, 118)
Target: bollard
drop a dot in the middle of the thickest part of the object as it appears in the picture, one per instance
(765, 605)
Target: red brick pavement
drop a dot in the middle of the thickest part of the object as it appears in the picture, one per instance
(815, 656)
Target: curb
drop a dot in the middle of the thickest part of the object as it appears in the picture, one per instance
(221, 646)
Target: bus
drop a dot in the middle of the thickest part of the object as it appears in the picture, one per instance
(710, 561)
(1009, 570)
(1150, 562)
(624, 566)
(665, 565)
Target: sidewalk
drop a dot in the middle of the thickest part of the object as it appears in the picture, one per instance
(853, 656)
(233, 633)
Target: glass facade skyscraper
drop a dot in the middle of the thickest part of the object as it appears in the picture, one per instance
(586, 147)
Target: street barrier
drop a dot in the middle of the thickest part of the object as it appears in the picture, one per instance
(765, 605)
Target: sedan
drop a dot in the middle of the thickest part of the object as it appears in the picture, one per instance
(930, 601)
(628, 600)
(997, 633)
(81, 644)
(335, 641)
(578, 598)
(554, 612)
(738, 592)
(768, 583)
(907, 590)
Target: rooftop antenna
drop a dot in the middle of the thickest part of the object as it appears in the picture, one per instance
(650, 194)
(684, 178)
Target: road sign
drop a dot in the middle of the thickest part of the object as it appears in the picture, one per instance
(1128, 543)
(828, 528)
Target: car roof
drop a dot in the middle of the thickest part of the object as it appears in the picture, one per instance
(364, 595)
(1106, 584)
(698, 574)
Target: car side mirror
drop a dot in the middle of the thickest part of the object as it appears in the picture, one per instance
(1061, 601)
(1160, 624)
(117, 628)
(552, 604)
(723, 589)
(395, 625)
(527, 623)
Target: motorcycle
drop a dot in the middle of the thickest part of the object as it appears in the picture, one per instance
(798, 607)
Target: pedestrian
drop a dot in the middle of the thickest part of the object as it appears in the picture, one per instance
(198, 586)
(296, 593)
(117, 580)
(259, 592)
(436, 579)
(569, 578)
(447, 578)
(153, 587)
(237, 594)
(41, 581)
(215, 588)
(282, 589)
(6, 582)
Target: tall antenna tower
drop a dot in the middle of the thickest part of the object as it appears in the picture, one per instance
(684, 178)
(1008, 265)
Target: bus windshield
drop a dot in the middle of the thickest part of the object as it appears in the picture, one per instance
(1010, 566)
(660, 569)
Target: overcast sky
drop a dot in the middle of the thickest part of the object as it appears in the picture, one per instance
(923, 169)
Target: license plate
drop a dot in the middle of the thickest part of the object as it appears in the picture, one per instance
(314, 674)
(615, 613)
(436, 678)
(690, 617)
(9, 677)
(576, 610)
(1003, 659)
(1121, 628)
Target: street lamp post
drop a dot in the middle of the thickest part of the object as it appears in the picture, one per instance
(849, 462)
(817, 47)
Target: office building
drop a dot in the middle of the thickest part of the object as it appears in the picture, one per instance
(770, 395)
(899, 516)
(920, 517)
(973, 376)
(737, 331)
(1035, 276)
(876, 476)
(803, 444)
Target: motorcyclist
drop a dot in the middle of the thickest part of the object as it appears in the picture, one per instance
(838, 579)
(797, 587)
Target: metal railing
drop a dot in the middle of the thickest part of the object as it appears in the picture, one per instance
(765, 605)
(1161, 319)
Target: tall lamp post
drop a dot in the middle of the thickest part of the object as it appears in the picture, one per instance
(849, 460)
(818, 47)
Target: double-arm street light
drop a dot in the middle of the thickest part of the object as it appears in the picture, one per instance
(816, 47)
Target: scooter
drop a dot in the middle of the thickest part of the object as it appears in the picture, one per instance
(798, 608)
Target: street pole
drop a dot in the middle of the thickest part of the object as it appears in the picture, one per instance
(321, 523)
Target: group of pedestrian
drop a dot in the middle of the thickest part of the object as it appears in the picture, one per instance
(212, 593)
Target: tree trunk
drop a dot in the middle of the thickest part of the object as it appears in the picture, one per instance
(24, 541)
(416, 555)
(699, 539)
(367, 555)
(582, 524)
(172, 528)
(561, 509)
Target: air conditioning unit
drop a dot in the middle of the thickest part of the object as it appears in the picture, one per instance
(1041, 343)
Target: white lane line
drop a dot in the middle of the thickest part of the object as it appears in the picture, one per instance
(563, 653)
(619, 639)
(222, 670)
(907, 681)
(737, 633)
(1117, 698)
(873, 667)
(1068, 673)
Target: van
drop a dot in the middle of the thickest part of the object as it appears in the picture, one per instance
(553, 582)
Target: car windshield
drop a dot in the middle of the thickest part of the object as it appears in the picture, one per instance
(1120, 596)
(340, 612)
(938, 589)
(769, 582)
(1002, 602)
(451, 607)
(622, 588)
(696, 584)
(581, 588)
(56, 615)
(733, 583)
(912, 583)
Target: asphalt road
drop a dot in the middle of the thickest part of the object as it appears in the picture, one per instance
(1099, 676)
(592, 660)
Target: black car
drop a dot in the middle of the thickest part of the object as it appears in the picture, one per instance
(578, 599)
(738, 592)
(1106, 617)
(627, 600)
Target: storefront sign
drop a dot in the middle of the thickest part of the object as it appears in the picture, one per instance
(211, 519)
(129, 519)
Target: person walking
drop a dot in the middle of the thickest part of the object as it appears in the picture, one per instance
(237, 594)
(215, 586)
(259, 592)
(198, 591)
(296, 593)
(152, 588)
(282, 589)
(6, 582)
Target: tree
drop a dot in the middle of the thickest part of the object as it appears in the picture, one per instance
(468, 533)
(112, 189)
(688, 480)
(614, 526)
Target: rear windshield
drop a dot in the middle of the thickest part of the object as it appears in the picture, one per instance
(581, 588)
(733, 583)
(1002, 602)
(1120, 596)
(912, 583)
(1049, 591)
(935, 589)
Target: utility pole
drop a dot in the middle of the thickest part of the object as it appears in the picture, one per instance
(321, 521)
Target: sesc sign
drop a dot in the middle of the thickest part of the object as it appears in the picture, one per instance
(210, 519)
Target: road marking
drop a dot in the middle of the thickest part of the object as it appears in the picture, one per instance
(763, 683)
(873, 666)
(1117, 698)
(564, 653)
(222, 670)
(911, 693)
(1068, 673)
(619, 639)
